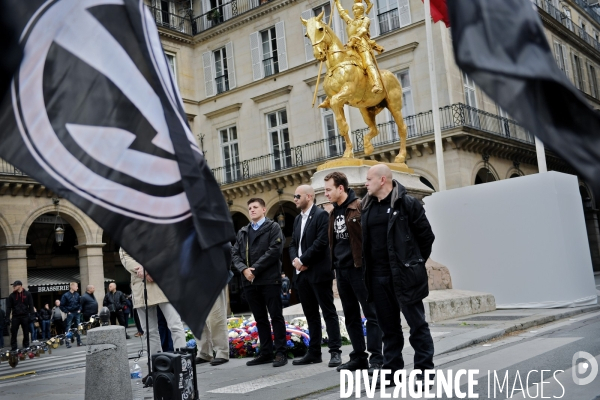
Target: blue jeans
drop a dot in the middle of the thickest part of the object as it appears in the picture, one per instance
(73, 318)
(33, 331)
(45, 329)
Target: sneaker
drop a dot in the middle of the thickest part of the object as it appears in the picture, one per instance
(261, 359)
(373, 367)
(280, 360)
(353, 365)
(308, 359)
(336, 360)
(79, 344)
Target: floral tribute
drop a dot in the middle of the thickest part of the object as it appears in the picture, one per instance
(244, 341)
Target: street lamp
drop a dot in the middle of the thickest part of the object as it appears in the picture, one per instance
(59, 231)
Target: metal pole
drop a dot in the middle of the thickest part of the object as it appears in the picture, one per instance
(437, 131)
(541, 155)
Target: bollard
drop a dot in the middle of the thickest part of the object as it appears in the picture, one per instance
(107, 365)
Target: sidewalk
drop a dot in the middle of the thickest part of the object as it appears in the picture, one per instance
(234, 378)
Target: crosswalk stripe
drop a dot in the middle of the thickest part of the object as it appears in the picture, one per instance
(272, 380)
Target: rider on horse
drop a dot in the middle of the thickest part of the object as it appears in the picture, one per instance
(360, 41)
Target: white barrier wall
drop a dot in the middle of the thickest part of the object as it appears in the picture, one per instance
(523, 240)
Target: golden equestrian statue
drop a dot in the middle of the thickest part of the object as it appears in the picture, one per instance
(353, 77)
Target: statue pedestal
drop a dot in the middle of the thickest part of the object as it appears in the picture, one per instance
(356, 171)
(443, 301)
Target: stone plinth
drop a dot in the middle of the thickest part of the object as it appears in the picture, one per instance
(107, 366)
(452, 303)
(356, 171)
(439, 276)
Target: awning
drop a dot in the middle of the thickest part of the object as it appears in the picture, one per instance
(53, 279)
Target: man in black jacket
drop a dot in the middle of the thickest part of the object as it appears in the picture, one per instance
(20, 305)
(257, 255)
(345, 239)
(397, 240)
(89, 305)
(114, 300)
(70, 304)
(309, 252)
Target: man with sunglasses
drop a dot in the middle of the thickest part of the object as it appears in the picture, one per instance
(309, 252)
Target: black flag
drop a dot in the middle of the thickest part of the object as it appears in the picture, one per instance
(94, 114)
(501, 45)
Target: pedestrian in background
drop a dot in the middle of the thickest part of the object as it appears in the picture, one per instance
(70, 303)
(2, 324)
(45, 317)
(114, 300)
(89, 304)
(286, 290)
(34, 324)
(127, 309)
(58, 318)
(20, 306)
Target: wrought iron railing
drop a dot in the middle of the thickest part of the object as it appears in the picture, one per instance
(171, 21)
(270, 66)
(388, 21)
(222, 83)
(222, 13)
(555, 13)
(453, 116)
(589, 9)
(7, 169)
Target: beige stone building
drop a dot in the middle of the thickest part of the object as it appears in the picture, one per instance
(247, 77)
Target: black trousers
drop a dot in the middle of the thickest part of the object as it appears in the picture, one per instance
(313, 296)
(136, 318)
(353, 294)
(59, 325)
(388, 314)
(118, 315)
(260, 299)
(23, 322)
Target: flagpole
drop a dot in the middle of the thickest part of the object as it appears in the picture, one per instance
(541, 155)
(437, 131)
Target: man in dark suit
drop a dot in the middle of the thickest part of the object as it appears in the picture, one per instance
(309, 252)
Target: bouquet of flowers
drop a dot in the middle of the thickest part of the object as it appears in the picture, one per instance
(190, 339)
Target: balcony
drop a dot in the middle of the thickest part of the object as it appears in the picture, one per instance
(419, 125)
(555, 13)
(189, 25)
(7, 169)
(589, 9)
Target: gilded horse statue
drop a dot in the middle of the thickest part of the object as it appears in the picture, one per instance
(347, 82)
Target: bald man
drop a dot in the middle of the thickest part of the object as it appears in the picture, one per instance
(89, 304)
(309, 252)
(397, 240)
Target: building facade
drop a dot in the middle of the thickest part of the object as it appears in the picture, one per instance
(247, 77)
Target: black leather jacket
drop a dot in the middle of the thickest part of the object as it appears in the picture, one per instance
(409, 243)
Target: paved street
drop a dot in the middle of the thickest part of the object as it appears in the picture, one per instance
(476, 342)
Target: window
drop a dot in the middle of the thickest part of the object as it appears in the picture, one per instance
(164, 13)
(568, 21)
(391, 15)
(171, 64)
(408, 108)
(280, 139)
(268, 51)
(504, 122)
(339, 26)
(334, 145)
(593, 81)
(324, 7)
(578, 74)
(219, 70)
(560, 53)
(230, 152)
(471, 116)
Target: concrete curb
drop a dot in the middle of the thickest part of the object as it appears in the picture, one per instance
(499, 332)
